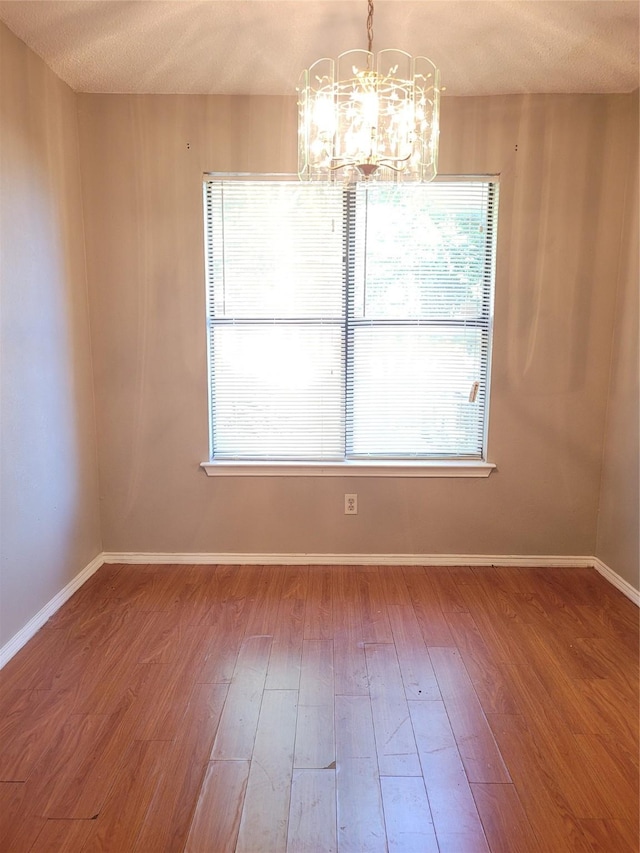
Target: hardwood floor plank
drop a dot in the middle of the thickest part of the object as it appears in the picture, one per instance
(240, 582)
(74, 671)
(14, 701)
(445, 589)
(480, 664)
(627, 759)
(30, 668)
(598, 710)
(582, 585)
(265, 815)
(19, 827)
(501, 589)
(461, 574)
(170, 812)
(312, 815)
(318, 616)
(558, 751)
(607, 660)
(134, 584)
(564, 652)
(58, 779)
(505, 823)
(434, 626)
(92, 595)
(316, 677)
(118, 825)
(163, 638)
(407, 815)
(395, 743)
(160, 589)
(62, 835)
(578, 702)
(605, 836)
(359, 798)
(315, 734)
(476, 744)
(513, 579)
(348, 647)
(617, 620)
(81, 795)
(266, 593)
(372, 608)
(239, 721)
(217, 815)
(161, 720)
(393, 586)
(283, 672)
(501, 631)
(542, 795)
(567, 618)
(31, 733)
(141, 638)
(349, 663)
(226, 621)
(296, 582)
(455, 816)
(620, 796)
(315, 740)
(418, 677)
(195, 588)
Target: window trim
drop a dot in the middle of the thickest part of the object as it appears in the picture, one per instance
(400, 468)
(431, 468)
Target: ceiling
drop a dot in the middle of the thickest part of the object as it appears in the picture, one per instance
(482, 47)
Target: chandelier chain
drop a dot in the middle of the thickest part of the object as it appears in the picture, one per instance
(370, 25)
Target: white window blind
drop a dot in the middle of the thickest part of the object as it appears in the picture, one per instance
(419, 322)
(275, 282)
(349, 323)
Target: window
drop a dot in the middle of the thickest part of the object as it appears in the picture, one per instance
(349, 324)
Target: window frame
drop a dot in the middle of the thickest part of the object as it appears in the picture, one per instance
(355, 466)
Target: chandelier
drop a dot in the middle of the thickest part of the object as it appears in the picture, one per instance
(367, 116)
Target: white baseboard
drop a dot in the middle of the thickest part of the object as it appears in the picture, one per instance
(620, 583)
(33, 625)
(155, 558)
(347, 559)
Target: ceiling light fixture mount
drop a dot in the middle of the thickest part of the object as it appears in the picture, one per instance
(367, 116)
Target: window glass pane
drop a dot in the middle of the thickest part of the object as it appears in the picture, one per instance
(421, 251)
(278, 391)
(275, 250)
(411, 388)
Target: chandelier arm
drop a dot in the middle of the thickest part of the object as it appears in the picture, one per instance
(385, 164)
(385, 161)
(343, 165)
(388, 164)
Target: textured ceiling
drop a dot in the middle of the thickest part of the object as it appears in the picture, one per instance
(259, 47)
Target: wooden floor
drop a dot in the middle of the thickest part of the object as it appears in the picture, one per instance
(221, 708)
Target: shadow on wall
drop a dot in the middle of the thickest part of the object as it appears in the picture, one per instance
(49, 511)
(561, 172)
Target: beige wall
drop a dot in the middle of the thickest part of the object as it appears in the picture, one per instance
(562, 161)
(619, 518)
(49, 525)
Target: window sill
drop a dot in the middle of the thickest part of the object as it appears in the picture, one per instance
(467, 468)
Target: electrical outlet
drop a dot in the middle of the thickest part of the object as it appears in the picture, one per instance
(350, 504)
